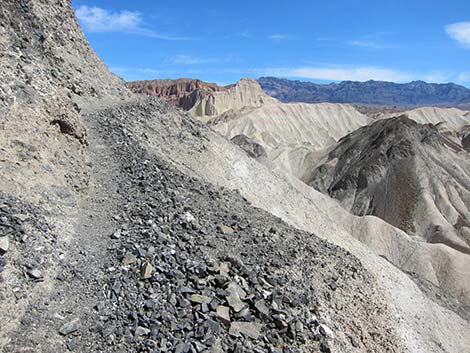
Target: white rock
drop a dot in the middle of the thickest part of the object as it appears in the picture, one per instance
(188, 217)
(326, 331)
(4, 244)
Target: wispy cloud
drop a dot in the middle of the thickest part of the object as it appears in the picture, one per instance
(98, 20)
(372, 41)
(188, 59)
(278, 37)
(244, 34)
(464, 77)
(341, 73)
(364, 43)
(459, 31)
(368, 43)
(136, 73)
(437, 77)
(184, 59)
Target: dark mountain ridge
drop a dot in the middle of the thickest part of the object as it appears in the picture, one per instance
(415, 93)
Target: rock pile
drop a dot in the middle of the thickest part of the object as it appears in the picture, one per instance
(22, 225)
(194, 268)
(187, 281)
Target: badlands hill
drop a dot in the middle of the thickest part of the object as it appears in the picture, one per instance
(452, 118)
(292, 134)
(297, 136)
(205, 100)
(416, 93)
(109, 243)
(127, 226)
(410, 175)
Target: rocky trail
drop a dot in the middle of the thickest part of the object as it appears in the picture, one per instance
(130, 225)
(79, 270)
(148, 268)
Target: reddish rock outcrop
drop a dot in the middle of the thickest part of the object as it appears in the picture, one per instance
(178, 92)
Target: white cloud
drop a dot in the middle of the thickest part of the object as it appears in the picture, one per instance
(135, 73)
(372, 41)
(184, 59)
(98, 20)
(188, 59)
(464, 77)
(244, 34)
(341, 74)
(460, 32)
(278, 37)
(364, 43)
(95, 19)
(437, 77)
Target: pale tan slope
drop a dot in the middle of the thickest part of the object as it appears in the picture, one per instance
(293, 134)
(452, 118)
(245, 93)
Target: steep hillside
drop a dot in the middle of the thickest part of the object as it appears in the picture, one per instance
(39, 61)
(43, 73)
(416, 93)
(292, 134)
(439, 271)
(408, 174)
(43, 163)
(240, 261)
(107, 246)
(127, 226)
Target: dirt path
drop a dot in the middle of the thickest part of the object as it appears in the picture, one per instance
(72, 283)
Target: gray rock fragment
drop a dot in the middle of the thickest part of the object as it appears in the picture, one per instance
(222, 228)
(260, 305)
(247, 329)
(70, 327)
(197, 298)
(223, 314)
(141, 331)
(236, 294)
(146, 270)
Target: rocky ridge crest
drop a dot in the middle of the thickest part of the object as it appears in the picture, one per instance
(416, 93)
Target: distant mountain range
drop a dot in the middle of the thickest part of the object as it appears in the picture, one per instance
(416, 93)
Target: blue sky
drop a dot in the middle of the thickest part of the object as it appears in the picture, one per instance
(323, 41)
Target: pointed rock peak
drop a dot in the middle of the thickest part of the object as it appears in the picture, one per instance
(248, 81)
